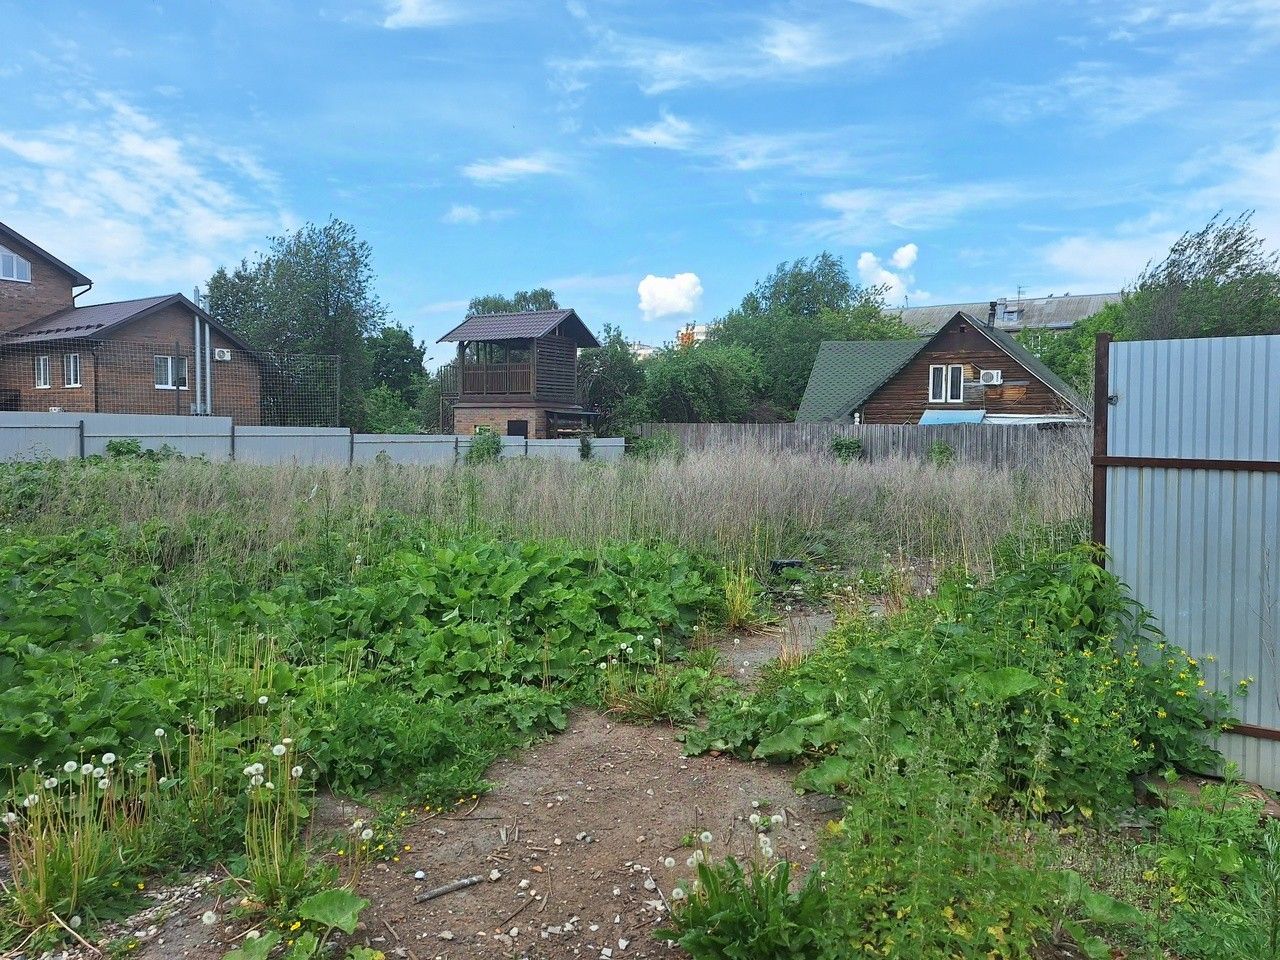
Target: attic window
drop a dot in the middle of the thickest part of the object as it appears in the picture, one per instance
(13, 267)
(946, 383)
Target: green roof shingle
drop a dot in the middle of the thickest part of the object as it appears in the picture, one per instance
(847, 372)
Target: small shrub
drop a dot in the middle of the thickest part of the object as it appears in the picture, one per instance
(584, 447)
(941, 453)
(846, 449)
(751, 914)
(664, 693)
(486, 447)
(663, 445)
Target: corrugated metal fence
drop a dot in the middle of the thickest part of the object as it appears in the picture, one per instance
(994, 445)
(67, 436)
(1189, 465)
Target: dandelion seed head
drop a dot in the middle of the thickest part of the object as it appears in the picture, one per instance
(160, 732)
(705, 836)
(50, 782)
(776, 818)
(256, 780)
(669, 862)
(209, 918)
(104, 783)
(10, 818)
(366, 834)
(98, 771)
(108, 759)
(296, 772)
(677, 894)
(70, 766)
(262, 700)
(278, 750)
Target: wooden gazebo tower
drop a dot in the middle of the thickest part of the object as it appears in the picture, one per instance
(517, 373)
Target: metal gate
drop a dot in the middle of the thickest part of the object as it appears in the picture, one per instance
(1186, 497)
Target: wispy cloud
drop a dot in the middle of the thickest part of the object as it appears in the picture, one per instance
(897, 282)
(469, 215)
(810, 153)
(866, 214)
(743, 49)
(1099, 93)
(124, 198)
(508, 169)
(409, 14)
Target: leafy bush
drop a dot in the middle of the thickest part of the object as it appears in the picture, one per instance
(486, 447)
(1051, 662)
(846, 449)
(584, 447)
(662, 445)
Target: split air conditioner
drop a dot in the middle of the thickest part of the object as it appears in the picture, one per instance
(991, 378)
(221, 353)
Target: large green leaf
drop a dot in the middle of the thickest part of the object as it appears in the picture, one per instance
(338, 907)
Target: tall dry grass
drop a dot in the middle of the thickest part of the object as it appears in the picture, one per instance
(742, 504)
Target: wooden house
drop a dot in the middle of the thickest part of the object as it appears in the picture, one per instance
(969, 371)
(517, 374)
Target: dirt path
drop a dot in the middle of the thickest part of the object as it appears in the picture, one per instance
(578, 830)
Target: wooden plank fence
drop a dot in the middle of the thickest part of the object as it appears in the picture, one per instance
(993, 445)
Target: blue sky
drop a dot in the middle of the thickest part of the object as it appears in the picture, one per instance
(648, 161)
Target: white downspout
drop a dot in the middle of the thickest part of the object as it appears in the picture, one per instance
(195, 349)
(208, 370)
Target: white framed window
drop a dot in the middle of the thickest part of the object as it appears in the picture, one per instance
(71, 370)
(946, 383)
(170, 373)
(13, 267)
(42, 373)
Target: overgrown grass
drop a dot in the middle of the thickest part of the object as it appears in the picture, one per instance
(740, 505)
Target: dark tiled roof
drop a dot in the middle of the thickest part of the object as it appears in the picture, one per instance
(78, 279)
(98, 319)
(847, 372)
(528, 325)
(87, 321)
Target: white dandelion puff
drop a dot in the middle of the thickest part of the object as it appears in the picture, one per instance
(108, 759)
(366, 834)
(262, 700)
(296, 772)
(50, 782)
(160, 733)
(209, 918)
(70, 766)
(104, 783)
(705, 836)
(669, 862)
(278, 750)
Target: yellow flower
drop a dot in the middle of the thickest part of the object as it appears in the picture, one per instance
(1162, 713)
(295, 925)
(142, 886)
(408, 846)
(1179, 693)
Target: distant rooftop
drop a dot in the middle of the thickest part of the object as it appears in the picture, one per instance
(1042, 313)
(527, 325)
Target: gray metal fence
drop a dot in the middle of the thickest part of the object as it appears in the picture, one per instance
(1187, 499)
(994, 445)
(39, 436)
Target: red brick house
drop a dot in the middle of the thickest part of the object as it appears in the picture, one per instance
(969, 371)
(156, 355)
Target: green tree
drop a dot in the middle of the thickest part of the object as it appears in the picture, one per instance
(396, 361)
(1219, 281)
(609, 380)
(311, 294)
(523, 301)
(387, 411)
(787, 315)
(704, 383)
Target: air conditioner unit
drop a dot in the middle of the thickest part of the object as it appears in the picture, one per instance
(221, 353)
(991, 378)
(55, 409)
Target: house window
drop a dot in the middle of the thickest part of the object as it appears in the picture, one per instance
(42, 373)
(71, 369)
(13, 267)
(171, 373)
(946, 383)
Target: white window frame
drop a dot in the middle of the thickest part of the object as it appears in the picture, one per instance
(173, 365)
(952, 375)
(71, 370)
(20, 265)
(42, 372)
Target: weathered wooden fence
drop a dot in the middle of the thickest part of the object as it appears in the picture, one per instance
(994, 445)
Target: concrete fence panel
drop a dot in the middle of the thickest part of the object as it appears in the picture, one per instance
(408, 449)
(273, 445)
(39, 436)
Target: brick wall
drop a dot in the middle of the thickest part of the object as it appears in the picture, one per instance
(118, 375)
(466, 419)
(48, 292)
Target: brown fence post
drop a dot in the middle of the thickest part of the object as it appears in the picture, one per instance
(1101, 402)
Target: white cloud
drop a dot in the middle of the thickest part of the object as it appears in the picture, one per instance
(1097, 93)
(897, 286)
(669, 132)
(669, 296)
(403, 14)
(508, 169)
(129, 202)
(469, 215)
(808, 153)
(768, 49)
(905, 256)
(865, 214)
